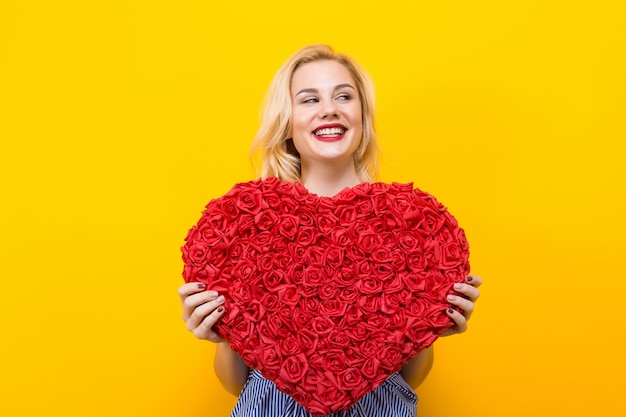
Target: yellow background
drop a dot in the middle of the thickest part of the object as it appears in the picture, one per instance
(120, 120)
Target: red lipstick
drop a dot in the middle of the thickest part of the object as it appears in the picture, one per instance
(330, 136)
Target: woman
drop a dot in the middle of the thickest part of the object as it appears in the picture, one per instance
(318, 129)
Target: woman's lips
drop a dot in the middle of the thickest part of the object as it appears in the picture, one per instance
(330, 132)
(329, 138)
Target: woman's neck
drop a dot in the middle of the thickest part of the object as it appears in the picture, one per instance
(326, 180)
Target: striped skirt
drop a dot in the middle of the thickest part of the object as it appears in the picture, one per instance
(261, 398)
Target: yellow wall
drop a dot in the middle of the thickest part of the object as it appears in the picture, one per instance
(120, 119)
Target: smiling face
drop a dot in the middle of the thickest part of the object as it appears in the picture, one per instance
(326, 117)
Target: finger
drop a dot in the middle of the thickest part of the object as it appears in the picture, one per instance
(189, 288)
(468, 291)
(460, 322)
(467, 306)
(191, 303)
(474, 280)
(202, 311)
(205, 329)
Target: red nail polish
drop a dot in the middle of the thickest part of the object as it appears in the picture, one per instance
(220, 309)
(469, 279)
(201, 286)
(450, 311)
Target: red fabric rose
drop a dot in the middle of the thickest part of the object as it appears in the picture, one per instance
(293, 368)
(328, 296)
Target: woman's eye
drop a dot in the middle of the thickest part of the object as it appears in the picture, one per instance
(343, 97)
(310, 100)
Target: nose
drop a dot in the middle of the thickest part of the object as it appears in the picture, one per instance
(328, 110)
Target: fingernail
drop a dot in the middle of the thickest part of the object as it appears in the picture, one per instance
(451, 297)
(450, 311)
(457, 286)
(220, 299)
(201, 286)
(212, 294)
(220, 309)
(469, 279)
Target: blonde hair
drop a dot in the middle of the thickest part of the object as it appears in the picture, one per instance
(279, 157)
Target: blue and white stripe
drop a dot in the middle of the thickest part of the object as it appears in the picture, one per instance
(261, 398)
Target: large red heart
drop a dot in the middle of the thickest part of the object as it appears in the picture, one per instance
(325, 296)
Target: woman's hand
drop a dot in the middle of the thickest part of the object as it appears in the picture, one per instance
(466, 296)
(201, 310)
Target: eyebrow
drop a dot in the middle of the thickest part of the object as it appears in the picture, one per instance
(315, 90)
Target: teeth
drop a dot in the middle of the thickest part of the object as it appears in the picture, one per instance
(330, 131)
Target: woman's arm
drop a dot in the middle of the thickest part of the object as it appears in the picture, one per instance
(230, 369)
(416, 370)
(201, 310)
